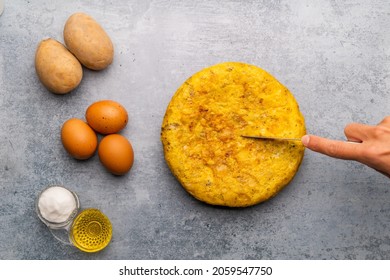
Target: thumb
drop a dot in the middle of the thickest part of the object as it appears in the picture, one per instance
(333, 148)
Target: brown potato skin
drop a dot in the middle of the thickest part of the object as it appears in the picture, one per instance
(58, 69)
(88, 41)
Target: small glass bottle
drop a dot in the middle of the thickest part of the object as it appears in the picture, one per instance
(1, 6)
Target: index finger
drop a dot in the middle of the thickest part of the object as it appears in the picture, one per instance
(385, 121)
(333, 148)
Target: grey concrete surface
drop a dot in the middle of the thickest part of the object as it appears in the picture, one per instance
(333, 55)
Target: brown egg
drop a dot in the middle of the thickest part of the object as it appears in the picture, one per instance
(78, 139)
(116, 154)
(106, 116)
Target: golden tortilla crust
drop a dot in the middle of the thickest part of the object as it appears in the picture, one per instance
(202, 128)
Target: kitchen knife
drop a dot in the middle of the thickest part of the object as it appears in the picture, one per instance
(287, 139)
(271, 138)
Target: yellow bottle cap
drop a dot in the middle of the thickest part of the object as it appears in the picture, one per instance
(91, 231)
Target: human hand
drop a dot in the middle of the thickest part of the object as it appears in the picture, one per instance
(366, 144)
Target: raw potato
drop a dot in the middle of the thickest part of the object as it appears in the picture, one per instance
(58, 70)
(88, 41)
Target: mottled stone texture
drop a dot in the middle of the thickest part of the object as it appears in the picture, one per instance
(333, 55)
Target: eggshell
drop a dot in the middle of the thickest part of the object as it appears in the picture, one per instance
(116, 154)
(107, 116)
(78, 139)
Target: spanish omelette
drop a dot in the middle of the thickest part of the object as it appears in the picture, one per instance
(202, 128)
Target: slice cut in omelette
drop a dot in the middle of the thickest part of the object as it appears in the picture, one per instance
(202, 128)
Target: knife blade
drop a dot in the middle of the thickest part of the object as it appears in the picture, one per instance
(287, 139)
(271, 138)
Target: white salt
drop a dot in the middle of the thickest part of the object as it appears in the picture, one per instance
(56, 204)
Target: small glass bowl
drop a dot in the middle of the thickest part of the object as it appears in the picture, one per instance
(69, 220)
(91, 231)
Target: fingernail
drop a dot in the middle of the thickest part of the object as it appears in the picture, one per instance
(305, 140)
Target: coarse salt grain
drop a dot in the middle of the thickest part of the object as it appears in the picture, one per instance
(56, 204)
